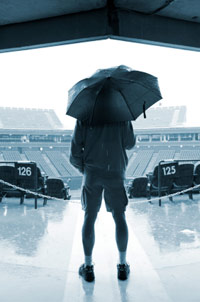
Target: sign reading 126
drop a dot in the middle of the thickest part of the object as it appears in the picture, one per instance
(24, 171)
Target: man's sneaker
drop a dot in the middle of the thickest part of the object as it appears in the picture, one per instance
(87, 272)
(123, 271)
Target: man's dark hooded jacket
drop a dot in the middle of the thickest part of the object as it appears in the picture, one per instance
(102, 149)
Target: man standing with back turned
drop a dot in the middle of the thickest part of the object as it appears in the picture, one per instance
(99, 152)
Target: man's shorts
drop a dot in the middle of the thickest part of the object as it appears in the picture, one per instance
(114, 193)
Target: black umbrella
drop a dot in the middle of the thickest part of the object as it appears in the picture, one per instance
(113, 95)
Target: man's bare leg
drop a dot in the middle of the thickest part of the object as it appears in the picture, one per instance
(88, 236)
(123, 268)
(121, 235)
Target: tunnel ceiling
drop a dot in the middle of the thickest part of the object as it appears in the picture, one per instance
(30, 24)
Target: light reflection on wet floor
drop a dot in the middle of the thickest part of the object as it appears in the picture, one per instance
(40, 252)
(169, 229)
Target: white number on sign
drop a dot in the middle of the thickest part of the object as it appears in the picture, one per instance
(24, 171)
(170, 170)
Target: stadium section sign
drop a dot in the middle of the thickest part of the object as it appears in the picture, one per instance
(26, 170)
(169, 169)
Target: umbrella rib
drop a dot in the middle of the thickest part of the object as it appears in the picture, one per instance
(142, 84)
(126, 103)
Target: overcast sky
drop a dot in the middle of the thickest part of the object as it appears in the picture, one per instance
(41, 78)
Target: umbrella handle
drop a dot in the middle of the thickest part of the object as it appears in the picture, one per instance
(144, 112)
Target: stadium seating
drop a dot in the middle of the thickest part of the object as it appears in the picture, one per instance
(73, 171)
(138, 164)
(26, 184)
(160, 117)
(20, 118)
(37, 135)
(37, 157)
(185, 178)
(197, 174)
(137, 187)
(56, 188)
(157, 157)
(62, 164)
(8, 174)
(189, 155)
(164, 155)
(11, 155)
(59, 162)
(166, 183)
(129, 153)
(196, 180)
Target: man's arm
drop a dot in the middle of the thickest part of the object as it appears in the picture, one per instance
(77, 147)
(129, 137)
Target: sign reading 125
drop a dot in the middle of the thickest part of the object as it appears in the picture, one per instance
(169, 169)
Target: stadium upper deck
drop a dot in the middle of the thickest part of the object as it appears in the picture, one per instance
(160, 117)
(25, 118)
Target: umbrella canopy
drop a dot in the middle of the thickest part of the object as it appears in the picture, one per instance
(113, 95)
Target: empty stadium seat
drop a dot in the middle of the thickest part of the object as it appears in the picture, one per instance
(138, 187)
(27, 184)
(166, 183)
(55, 187)
(7, 174)
(185, 178)
(197, 174)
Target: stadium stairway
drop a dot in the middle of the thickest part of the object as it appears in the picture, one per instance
(151, 164)
(52, 167)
